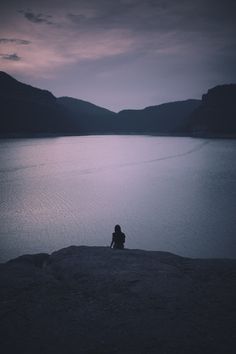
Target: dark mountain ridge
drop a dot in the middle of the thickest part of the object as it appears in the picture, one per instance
(29, 110)
(217, 113)
(89, 117)
(84, 106)
(165, 118)
(11, 88)
(26, 110)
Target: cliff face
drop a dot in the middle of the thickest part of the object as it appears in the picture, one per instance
(99, 300)
(217, 112)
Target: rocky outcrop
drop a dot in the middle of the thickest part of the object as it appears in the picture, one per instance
(100, 300)
(217, 113)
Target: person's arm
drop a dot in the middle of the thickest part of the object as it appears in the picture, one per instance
(112, 242)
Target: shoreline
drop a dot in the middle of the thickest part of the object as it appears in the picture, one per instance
(40, 136)
(39, 255)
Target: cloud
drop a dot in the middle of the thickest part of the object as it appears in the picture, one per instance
(11, 57)
(14, 41)
(76, 18)
(92, 30)
(154, 15)
(135, 44)
(37, 18)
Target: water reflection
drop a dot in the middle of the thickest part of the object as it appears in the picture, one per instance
(174, 194)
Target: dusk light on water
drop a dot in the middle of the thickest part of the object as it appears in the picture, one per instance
(117, 176)
(173, 194)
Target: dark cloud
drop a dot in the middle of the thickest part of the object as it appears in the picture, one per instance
(77, 18)
(37, 18)
(14, 41)
(11, 57)
(153, 15)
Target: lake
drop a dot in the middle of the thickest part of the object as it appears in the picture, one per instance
(168, 193)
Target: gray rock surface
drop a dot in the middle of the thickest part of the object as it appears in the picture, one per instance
(96, 300)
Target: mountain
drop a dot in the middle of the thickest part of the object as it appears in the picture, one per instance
(29, 110)
(11, 88)
(88, 116)
(217, 112)
(26, 110)
(167, 118)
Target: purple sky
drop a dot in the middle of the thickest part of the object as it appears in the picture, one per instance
(120, 53)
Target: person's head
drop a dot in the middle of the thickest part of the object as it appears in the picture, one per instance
(117, 228)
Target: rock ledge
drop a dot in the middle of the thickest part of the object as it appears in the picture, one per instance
(96, 300)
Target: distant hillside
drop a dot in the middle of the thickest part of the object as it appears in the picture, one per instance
(217, 112)
(88, 116)
(167, 118)
(11, 88)
(29, 110)
(26, 110)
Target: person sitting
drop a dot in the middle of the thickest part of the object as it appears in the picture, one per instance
(118, 238)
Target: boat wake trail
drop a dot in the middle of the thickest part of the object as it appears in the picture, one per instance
(137, 163)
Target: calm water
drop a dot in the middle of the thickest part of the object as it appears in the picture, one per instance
(172, 194)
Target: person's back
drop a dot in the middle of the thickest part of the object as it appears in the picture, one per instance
(118, 238)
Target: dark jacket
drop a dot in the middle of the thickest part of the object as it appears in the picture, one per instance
(118, 240)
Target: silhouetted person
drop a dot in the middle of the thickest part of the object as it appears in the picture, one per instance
(118, 238)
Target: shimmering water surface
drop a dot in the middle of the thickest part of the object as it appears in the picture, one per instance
(170, 194)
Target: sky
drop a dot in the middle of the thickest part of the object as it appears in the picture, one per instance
(120, 53)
